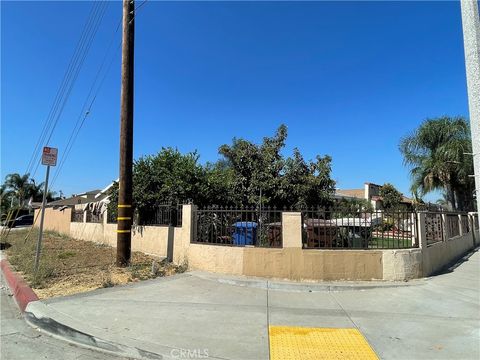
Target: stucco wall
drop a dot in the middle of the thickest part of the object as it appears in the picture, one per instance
(221, 259)
(438, 255)
(55, 220)
(399, 265)
(87, 231)
(147, 239)
(299, 264)
(290, 262)
(287, 263)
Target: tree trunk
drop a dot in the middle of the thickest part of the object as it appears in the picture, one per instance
(450, 197)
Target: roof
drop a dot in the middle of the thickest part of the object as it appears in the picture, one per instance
(91, 192)
(356, 193)
(404, 199)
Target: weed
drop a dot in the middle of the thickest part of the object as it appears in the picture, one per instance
(66, 255)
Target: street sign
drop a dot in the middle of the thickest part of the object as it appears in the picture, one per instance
(49, 156)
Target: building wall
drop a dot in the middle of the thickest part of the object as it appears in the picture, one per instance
(55, 220)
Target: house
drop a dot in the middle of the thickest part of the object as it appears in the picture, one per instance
(79, 199)
(371, 193)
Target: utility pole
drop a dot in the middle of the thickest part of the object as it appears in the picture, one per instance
(49, 158)
(125, 211)
(471, 40)
(42, 218)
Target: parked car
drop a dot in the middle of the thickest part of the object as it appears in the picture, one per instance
(23, 220)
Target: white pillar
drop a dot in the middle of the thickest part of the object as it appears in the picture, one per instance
(292, 229)
(422, 230)
(471, 40)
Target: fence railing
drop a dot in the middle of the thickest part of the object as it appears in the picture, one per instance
(111, 217)
(434, 228)
(163, 215)
(94, 217)
(238, 227)
(443, 226)
(77, 216)
(364, 230)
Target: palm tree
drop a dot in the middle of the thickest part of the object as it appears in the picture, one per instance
(435, 153)
(19, 185)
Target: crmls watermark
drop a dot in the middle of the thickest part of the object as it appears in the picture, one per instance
(189, 353)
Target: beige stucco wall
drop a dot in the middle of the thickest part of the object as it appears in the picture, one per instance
(148, 239)
(287, 263)
(55, 220)
(438, 255)
(183, 235)
(220, 259)
(399, 265)
(298, 264)
(87, 231)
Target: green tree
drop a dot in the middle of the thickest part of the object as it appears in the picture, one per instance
(351, 207)
(167, 177)
(391, 197)
(256, 167)
(283, 182)
(6, 198)
(435, 152)
(19, 186)
(305, 184)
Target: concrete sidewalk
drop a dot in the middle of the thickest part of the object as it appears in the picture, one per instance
(197, 314)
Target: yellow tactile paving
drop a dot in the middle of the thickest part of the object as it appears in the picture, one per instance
(301, 343)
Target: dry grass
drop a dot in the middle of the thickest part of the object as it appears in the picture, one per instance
(69, 266)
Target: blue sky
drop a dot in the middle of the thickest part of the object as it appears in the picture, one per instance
(349, 79)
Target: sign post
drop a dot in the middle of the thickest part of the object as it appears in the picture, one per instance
(49, 158)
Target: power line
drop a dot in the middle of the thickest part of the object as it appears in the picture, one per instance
(75, 74)
(86, 112)
(71, 76)
(81, 120)
(60, 89)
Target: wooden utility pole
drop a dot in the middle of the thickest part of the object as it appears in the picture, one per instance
(125, 211)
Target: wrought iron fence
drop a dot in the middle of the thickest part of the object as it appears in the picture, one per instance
(77, 216)
(434, 228)
(238, 227)
(452, 227)
(93, 217)
(162, 215)
(442, 226)
(363, 230)
(111, 217)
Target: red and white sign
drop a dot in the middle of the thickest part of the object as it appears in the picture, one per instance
(49, 156)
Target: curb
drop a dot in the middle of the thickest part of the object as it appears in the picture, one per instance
(39, 320)
(291, 286)
(22, 293)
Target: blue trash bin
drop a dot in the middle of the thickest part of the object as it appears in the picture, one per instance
(245, 233)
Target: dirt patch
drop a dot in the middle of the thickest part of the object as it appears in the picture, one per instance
(70, 266)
